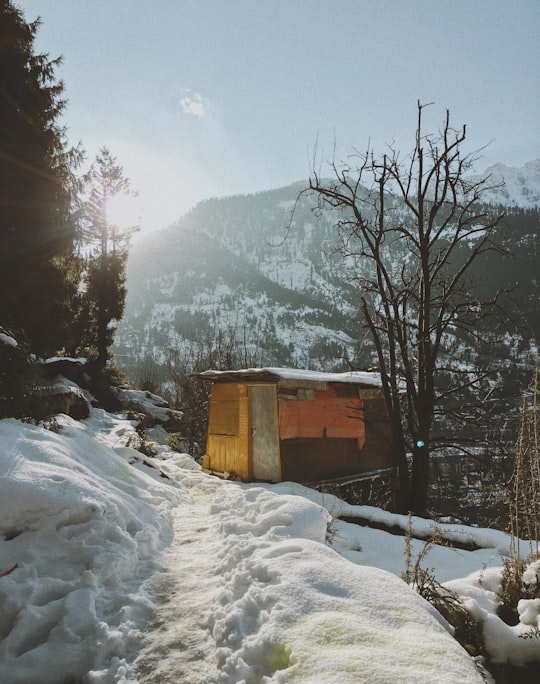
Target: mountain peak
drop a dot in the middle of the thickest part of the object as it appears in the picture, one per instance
(520, 185)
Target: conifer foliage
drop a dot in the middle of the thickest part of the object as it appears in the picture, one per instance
(62, 259)
(106, 292)
(38, 270)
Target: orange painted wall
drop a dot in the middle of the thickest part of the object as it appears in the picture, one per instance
(324, 415)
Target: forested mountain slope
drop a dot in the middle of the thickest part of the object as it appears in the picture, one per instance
(264, 270)
(240, 266)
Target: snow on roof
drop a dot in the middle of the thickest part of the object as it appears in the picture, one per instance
(68, 359)
(281, 375)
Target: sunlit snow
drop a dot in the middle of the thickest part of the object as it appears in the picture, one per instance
(113, 571)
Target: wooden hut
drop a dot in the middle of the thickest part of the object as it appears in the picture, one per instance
(280, 424)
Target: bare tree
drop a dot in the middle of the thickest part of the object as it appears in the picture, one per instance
(412, 229)
(524, 497)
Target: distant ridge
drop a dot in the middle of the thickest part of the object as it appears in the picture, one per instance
(237, 265)
(520, 185)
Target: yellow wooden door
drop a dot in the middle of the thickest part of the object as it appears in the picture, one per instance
(227, 443)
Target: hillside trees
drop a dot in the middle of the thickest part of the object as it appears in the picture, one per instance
(413, 227)
(38, 269)
(106, 264)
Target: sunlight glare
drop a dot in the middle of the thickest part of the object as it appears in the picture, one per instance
(124, 210)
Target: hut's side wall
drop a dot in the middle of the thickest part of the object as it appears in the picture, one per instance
(315, 414)
(227, 448)
(333, 434)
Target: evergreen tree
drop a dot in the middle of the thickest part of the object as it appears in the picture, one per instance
(106, 272)
(39, 275)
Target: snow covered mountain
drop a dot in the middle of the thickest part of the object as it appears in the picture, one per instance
(517, 187)
(254, 272)
(235, 265)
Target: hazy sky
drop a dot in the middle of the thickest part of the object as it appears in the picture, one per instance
(201, 98)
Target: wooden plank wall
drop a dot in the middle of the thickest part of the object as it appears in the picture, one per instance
(227, 447)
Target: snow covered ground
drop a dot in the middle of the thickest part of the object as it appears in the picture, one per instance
(111, 571)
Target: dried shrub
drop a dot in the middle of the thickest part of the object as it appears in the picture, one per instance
(467, 631)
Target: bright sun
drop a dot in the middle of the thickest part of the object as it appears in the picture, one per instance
(124, 210)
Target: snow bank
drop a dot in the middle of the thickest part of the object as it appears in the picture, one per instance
(473, 575)
(494, 541)
(151, 404)
(513, 644)
(260, 584)
(293, 610)
(83, 529)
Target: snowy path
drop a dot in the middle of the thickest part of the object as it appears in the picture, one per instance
(179, 647)
(251, 594)
(238, 581)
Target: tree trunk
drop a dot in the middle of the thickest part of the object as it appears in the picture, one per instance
(102, 346)
(402, 496)
(420, 481)
(102, 315)
(401, 467)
